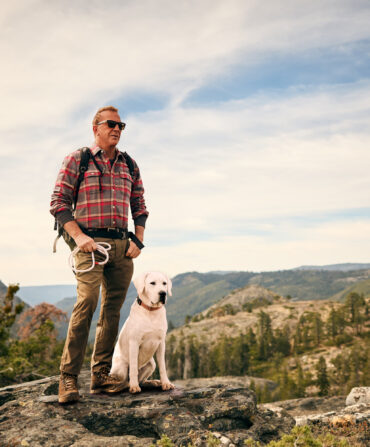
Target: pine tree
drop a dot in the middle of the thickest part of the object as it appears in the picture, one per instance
(322, 377)
(204, 361)
(265, 336)
(224, 356)
(317, 329)
(306, 337)
(355, 305)
(287, 385)
(301, 389)
(8, 314)
(251, 340)
(298, 338)
(342, 369)
(194, 357)
(180, 354)
(282, 342)
(332, 324)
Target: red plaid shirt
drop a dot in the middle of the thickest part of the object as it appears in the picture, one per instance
(103, 199)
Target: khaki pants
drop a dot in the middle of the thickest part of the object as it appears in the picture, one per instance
(115, 277)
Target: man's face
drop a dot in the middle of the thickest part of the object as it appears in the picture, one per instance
(105, 136)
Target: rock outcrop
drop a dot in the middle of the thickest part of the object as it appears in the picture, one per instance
(348, 417)
(31, 416)
(359, 395)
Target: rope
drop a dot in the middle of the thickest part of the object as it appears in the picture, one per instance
(100, 248)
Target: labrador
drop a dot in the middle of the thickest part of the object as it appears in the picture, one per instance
(143, 334)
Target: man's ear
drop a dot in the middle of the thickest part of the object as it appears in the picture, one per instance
(169, 286)
(139, 283)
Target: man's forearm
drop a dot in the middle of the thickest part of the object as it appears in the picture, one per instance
(72, 228)
(139, 232)
(84, 242)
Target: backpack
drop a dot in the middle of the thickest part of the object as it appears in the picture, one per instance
(86, 154)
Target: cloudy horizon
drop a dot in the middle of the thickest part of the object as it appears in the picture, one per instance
(249, 123)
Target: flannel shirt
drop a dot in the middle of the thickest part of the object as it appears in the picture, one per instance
(103, 199)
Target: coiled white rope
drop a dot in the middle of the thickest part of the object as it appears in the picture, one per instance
(100, 248)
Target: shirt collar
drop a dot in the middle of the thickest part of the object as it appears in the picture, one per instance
(95, 150)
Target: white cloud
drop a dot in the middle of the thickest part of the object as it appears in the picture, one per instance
(214, 175)
(292, 165)
(59, 57)
(321, 244)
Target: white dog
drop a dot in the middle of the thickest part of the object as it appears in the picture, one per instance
(144, 333)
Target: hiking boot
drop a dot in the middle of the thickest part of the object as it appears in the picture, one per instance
(68, 391)
(103, 382)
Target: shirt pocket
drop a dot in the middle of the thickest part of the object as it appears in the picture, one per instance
(91, 183)
(124, 181)
(123, 186)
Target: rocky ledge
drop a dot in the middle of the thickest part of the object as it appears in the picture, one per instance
(348, 417)
(31, 416)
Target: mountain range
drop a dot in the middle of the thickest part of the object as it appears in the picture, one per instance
(194, 292)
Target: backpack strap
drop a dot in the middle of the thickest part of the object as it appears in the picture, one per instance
(130, 163)
(86, 154)
(84, 166)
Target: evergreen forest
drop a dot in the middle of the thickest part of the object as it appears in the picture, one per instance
(277, 354)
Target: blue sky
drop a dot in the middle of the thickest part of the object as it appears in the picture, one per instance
(249, 121)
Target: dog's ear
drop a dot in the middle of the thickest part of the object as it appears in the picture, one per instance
(139, 283)
(169, 286)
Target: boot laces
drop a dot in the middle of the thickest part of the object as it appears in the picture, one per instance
(69, 381)
(104, 374)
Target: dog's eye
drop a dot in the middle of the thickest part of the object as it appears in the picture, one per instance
(153, 283)
(164, 283)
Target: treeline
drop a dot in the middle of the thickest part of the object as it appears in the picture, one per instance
(274, 353)
(36, 352)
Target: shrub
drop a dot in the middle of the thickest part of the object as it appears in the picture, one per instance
(302, 436)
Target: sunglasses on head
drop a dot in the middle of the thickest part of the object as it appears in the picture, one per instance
(112, 124)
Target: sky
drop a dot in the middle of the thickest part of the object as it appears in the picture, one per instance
(249, 121)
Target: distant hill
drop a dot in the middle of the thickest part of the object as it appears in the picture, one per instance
(216, 320)
(50, 294)
(360, 287)
(338, 267)
(193, 292)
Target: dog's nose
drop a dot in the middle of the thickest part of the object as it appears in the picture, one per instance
(162, 297)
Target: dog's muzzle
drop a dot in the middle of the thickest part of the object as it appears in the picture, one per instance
(162, 297)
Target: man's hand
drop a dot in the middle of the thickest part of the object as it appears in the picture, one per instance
(85, 243)
(133, 250)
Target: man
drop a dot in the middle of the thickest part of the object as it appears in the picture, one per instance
(101, 215)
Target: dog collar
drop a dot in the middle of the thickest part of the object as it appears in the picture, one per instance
(140, 303)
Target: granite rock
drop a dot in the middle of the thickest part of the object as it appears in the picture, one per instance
(359, 395)
(31, 415)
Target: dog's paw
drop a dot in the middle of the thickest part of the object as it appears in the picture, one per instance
(135, 389)
(167, 386)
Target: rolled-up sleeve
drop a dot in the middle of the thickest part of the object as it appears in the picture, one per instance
(61, 204)
(137, 202)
